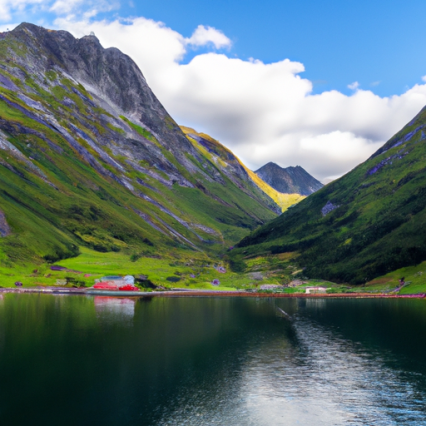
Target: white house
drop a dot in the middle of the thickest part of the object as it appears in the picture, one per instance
(315, 290)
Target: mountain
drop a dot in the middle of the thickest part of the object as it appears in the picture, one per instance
(90, 157)
(231, 165)
(289, 180)
(363, 225)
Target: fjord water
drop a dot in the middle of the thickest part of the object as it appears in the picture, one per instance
(76, 360)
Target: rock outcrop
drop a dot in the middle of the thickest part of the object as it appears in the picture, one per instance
(4, 226)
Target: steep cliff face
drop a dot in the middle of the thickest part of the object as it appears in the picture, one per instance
(113, 80)
(89, 156)
(289, 180)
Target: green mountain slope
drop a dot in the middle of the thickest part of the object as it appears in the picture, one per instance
(231, 165)
(365, 224)
(89, 157)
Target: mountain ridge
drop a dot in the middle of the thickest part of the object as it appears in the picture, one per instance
(90, 157)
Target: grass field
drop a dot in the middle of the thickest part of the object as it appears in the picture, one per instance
(192, 272)
(414, 277)
(198, 273)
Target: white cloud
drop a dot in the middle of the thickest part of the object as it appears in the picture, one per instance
(205, 35)
(7, 27)
(65, 6)
(71, 8)
(263, 112)
(353, 86)
(7, 7)
(341, 149)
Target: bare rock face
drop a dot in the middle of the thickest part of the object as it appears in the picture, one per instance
(256, 276)
(109, 75)
(4, 226)
(328, 208)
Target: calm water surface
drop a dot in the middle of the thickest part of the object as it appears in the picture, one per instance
(75, 360)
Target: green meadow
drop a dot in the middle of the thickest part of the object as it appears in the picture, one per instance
(168, 272)
(192, 272)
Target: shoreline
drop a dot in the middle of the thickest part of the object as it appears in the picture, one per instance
(207, 293)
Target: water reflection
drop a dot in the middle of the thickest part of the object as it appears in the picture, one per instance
(107, 306)
(206, 361)
(325, 380)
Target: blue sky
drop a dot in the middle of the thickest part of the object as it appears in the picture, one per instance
(379, 44)
(353, 75)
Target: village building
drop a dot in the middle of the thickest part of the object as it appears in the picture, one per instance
(316, 290)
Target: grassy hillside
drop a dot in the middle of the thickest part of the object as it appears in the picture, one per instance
(414, 278)
(91, 160)
(284, 201)
(368, 223)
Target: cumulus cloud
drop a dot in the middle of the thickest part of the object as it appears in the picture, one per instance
(65, 6)
(7, 27)
(205, 35)
(339, 149)
(263, 112)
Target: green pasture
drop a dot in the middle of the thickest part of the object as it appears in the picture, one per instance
(414, 277)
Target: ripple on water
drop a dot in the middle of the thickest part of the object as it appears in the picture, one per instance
(316, 378)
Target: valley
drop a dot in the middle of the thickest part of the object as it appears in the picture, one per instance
(89, 158)
(92, 167)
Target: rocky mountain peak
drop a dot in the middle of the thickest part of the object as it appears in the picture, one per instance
(111, 77)
(289, 180)
(89, 156)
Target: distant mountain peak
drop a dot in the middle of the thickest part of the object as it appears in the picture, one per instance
(289, 180)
